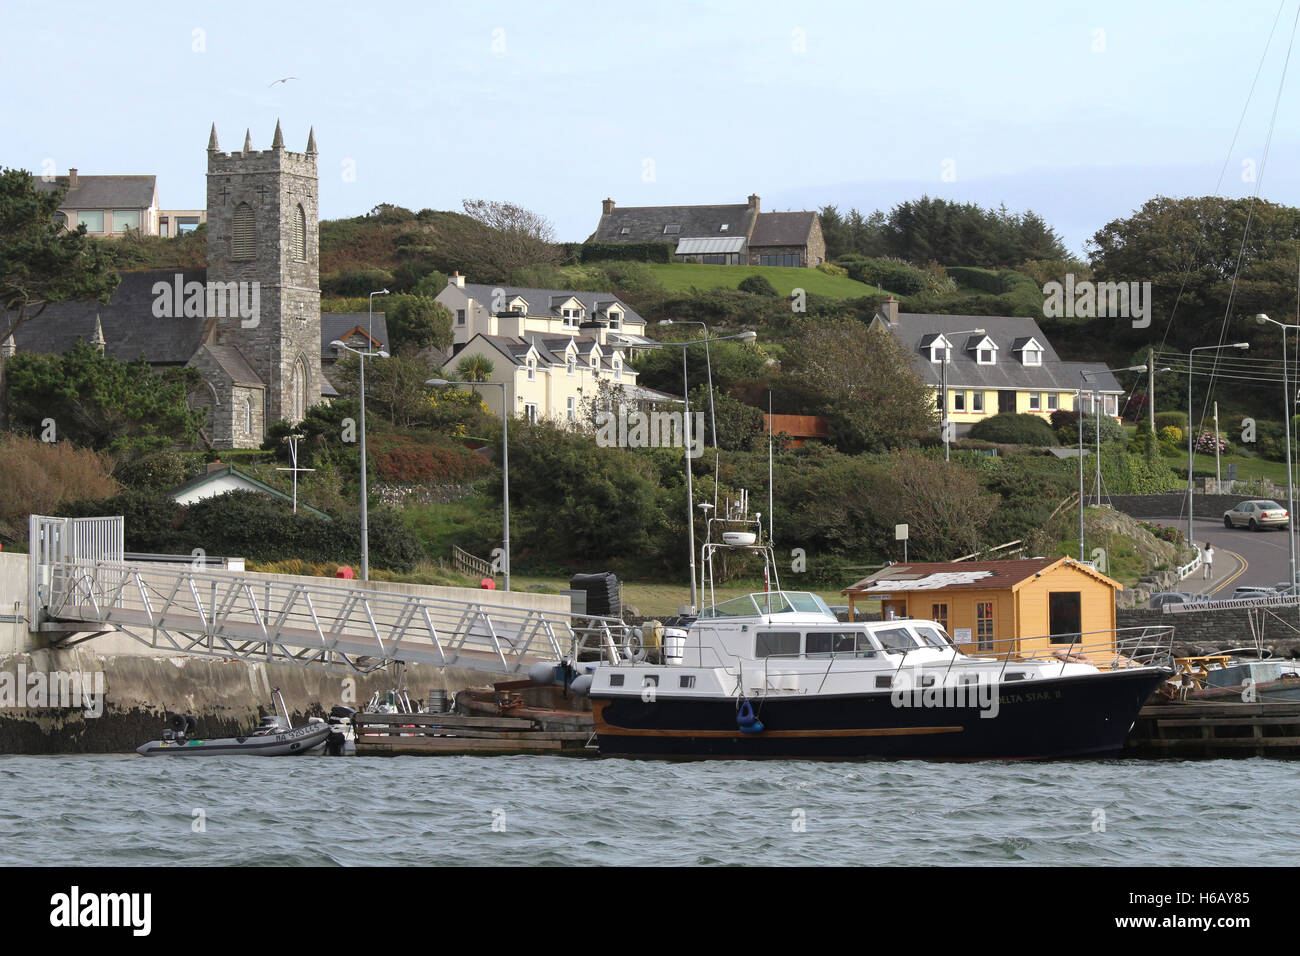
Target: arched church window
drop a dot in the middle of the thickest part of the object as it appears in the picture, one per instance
(248, 416)
(243, 238)
(300, 235)
(298, 391)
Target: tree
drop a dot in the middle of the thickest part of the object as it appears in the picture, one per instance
(862, 378)
(41, 260)
(395, 386)
(101, 402)
(942, 503)
(418, 322)
(498, 238)
(474, 368)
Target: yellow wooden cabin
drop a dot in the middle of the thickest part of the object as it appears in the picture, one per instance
(1033, 606)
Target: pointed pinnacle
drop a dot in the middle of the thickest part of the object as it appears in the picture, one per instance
(277, 141)
(212, 140)
(248, 141)
(311, 141)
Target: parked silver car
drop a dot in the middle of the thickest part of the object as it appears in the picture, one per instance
(1257, 514)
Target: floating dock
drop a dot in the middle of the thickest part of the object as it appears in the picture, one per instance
(1216, 729)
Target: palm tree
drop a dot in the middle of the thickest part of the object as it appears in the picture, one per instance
(474, 368)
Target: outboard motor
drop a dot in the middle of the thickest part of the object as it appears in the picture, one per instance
(342, 741)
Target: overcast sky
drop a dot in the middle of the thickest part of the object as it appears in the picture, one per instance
(1080, 111)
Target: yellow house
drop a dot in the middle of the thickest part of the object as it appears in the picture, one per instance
(1030, 606)
(990, 364)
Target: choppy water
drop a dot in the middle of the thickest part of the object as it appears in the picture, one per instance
(92, 810)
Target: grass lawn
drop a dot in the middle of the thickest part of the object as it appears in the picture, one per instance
(682, 276)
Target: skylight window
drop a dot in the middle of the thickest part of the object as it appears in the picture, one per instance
(672, 229)
(625, 231)
(724, 227)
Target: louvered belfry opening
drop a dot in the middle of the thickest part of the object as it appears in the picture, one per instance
(300, 235)
(243, 237)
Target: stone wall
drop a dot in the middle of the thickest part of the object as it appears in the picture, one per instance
(1175, 503)
(1209, 631)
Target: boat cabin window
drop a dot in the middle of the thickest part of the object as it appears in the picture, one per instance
(615, 680)
(932, 636)
(838, 643)
(776, 644)
(896, 639)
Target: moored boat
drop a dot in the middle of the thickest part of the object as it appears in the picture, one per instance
(273, 738)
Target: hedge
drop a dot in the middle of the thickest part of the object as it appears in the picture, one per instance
(1014, 430)
(631, 251)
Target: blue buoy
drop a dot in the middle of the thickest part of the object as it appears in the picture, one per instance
(747, 720)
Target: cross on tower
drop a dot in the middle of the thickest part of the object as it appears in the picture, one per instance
(261, 194)
(225, 193)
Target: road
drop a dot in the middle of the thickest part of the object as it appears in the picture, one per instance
(1240, 557)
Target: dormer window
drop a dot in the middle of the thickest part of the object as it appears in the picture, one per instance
(1032, 356)
(532, 369)
(940, 350)
(986, 351)
(984, 356)
(672, 229)
(618, 370)
(615, 319)
(571, 317)
(571, 365)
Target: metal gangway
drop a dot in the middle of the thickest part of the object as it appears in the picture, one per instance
(81, 586)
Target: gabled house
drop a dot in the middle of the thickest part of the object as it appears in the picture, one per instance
(739, 234)
(222, 479)
(1010, 368)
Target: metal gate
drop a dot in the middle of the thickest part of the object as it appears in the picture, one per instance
(55, 543)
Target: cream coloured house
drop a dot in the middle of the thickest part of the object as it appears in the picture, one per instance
(554, 348)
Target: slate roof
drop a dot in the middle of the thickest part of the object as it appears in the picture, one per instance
(547, 301)
(979, 575)
(646, 223)
(916, 332)
(550, 348)
(105, 192)
(337, 325)
(130, 327)
(782, 229)
(232, 362)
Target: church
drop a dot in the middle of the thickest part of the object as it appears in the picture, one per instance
(250, 322)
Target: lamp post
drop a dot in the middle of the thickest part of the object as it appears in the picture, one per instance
(746, 336)
(1191, 514)
(943, 382)
(1288, 407)
(370, 329)
(365, 510)
(507, 408)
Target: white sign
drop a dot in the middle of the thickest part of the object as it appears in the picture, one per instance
(900, 532)
(961, 635)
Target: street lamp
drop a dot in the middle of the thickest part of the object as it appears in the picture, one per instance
(370, 330)
(365, 511)
(1191, 514)
(507, 409)
(943, 382)
(1084, 375)
(747, 336)
(1288, 407)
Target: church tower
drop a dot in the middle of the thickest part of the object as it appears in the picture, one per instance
(263, 235)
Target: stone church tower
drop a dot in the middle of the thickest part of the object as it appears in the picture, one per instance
(263, 233)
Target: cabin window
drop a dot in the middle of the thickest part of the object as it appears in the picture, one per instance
(939, 614)
(984, 625)
(686, 682)
(615, 680)
(650, 680)
(933, 637)
(1064, 616)
(896, 639)
(830, 643)
(884, 681)
(776, 644)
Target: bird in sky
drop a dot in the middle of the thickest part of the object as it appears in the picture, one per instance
(283, 80)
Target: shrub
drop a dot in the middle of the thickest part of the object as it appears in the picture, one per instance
(1176, 419)
(831, 269)
(359, 282)
(150, 471)
(756, 285)
(629, 276)
(401, 459)
(38, 477)
(1171, 434)
(629, 251)
(1014, 430)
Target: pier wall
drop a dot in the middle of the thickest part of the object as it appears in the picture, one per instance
(1222, 629)
(141, 684)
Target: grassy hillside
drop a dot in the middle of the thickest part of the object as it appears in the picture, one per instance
(683, 276)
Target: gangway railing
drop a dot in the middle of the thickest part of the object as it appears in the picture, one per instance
(253, 617)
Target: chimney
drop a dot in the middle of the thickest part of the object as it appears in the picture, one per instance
(72, 179)
(606, 207)
(890, 311)
(753, 202)
(456, 279)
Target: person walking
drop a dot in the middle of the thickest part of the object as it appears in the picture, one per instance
(1207, 560)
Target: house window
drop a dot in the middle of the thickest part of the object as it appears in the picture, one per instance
(625, 231)
(984, 625)
(164, 229)
(985, 356)
(460, 316)
(532, 370)
(959, 401)
(92, 219)
(300, 235)
(615, 321)
(124, 219)
(530, 412)
(1033, 357)
(672, 229)
(243, 239)
(618, 370)
(977, 402)
(1035, 401)
(572, 410)
(939, 614)
(1053, 402)
(793, 259)
(571, 365)
(186, 224)
(1111, 404)
(571, 317)
(938, 352)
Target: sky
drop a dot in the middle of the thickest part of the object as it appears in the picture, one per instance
(1079, 111)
